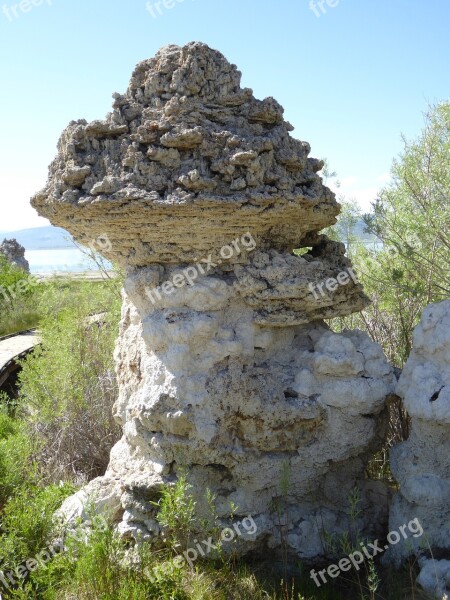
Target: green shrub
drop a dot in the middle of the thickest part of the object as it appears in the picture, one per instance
(68, 385)
(10, 279)
(102, 572)
(18, 292)
(16, 467)
(177, 512)
(7, 425)
(27, 522)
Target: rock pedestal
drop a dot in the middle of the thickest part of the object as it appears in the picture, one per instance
(225, 366)
(421, 465)
(15, 254)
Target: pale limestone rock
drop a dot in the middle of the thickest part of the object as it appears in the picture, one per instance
(101, 496)
(434, 578)
(421, 465)
(239, 404)
(224, 365)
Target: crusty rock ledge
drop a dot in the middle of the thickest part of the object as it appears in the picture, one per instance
(183, 160)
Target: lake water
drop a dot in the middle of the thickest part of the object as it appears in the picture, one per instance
(66, 260)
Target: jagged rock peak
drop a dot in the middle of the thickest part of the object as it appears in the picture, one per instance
(15, 254)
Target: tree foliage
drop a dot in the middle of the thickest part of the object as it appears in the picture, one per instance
(411, 219)
(412, 215)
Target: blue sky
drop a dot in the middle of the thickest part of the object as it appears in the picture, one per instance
(351, 80)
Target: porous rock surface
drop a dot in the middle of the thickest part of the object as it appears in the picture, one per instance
(421, 464)
(235, 378)
(15, 254)
(434, 578)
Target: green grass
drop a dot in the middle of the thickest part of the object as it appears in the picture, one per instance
(102, 570)
(24, 318)
(27, 309)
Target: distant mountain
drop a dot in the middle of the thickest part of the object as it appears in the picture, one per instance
(40, 238)
(360, 232)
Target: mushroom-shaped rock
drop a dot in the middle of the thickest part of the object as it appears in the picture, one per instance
(225, 367)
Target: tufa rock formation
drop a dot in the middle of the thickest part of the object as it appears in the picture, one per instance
(421, 465)
(434, 578)
(225, 366)
(15, 254)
